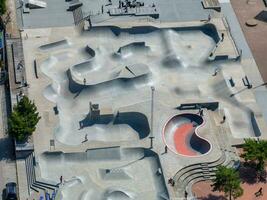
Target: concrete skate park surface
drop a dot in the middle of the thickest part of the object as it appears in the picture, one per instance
(168, 61)
(108, 173)
(115, 68)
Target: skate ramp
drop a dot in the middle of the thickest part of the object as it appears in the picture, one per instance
(60, 44)
(83, 75)
(84, 177)
(117, 194)
(132, 48)
(83, 67)
(181, 136)
(90, 51)
(240, 117)
(35, 4)
(135, 120)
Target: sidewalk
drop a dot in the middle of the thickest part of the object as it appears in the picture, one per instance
(7, 159)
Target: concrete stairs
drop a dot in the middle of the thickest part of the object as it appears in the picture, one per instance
(187, 176)
(77, 15)
(211, 4)
(191, 174)
(35, 4)
(35, 184)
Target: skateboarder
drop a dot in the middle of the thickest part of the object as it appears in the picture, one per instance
(223, 120)
(185, 194)
(61, 179)
(222, 37)
(259, 193)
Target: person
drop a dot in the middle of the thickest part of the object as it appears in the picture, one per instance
(61, 179)
(85, 139)
(211, 54)
(166, 149)
(185, 194)
(171, 181)
(240, 55)
(259, 192)
(84, 81)
(222, 36)
(201, 112)
(215, 72)
(223, 120)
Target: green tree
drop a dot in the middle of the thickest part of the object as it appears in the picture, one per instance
(255, 151)
(2, 7)
(228, 181)
(23, 120)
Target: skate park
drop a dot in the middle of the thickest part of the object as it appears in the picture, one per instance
(128, 106)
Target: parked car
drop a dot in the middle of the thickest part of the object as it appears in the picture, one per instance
(11, 191)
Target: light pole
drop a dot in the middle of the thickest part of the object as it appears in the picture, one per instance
(151, 117)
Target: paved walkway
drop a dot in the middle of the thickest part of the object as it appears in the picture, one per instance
(255, 36)
(250, 185)
(11, 27)
(7, 156)
(203, 191)
(7, 162)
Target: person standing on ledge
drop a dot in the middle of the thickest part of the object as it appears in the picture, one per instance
(222, 37)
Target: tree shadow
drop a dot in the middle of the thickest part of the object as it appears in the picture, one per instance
(248, 173)
(213, 197)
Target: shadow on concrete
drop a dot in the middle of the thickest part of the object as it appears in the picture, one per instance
(255, 126)
(136, 120)
(171, 61)
(102, 119)
(208, 29)
(262, 16)
(7, 149)
(4, 194)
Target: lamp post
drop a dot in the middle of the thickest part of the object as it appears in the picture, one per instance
(151, 117)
